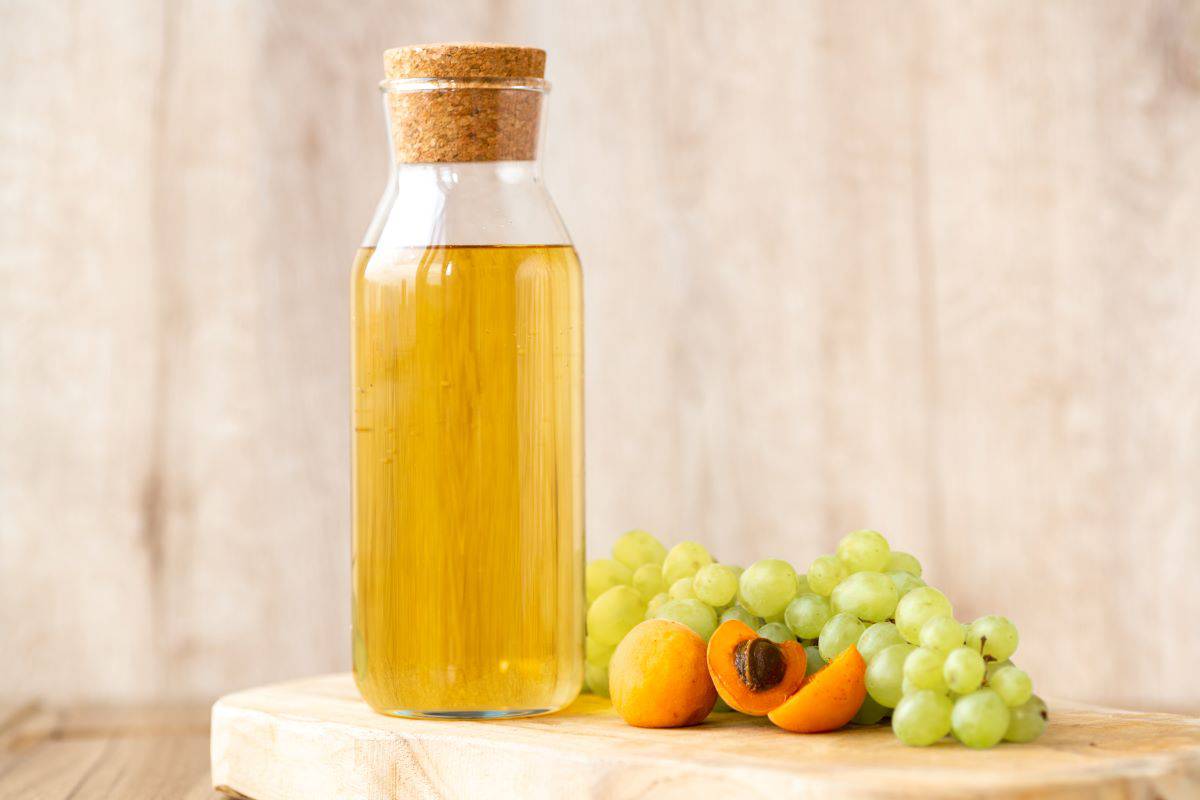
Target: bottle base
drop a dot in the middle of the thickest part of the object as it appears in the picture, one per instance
(506, 713)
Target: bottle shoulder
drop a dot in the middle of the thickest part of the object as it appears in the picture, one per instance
(476, 204)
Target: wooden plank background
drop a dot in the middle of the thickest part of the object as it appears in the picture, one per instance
(929, 267)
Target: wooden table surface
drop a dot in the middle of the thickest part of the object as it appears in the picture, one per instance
(105, 752)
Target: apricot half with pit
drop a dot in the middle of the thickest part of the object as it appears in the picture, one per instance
(753, 674)
(658, 677)
(828, 699)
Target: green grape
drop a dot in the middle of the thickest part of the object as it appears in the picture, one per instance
(993, 637)
(815, 661)
(780, 618)
(637, 548)
(899, 561)
(980, 719)
(905, 581)
(767, 586)
(691, 612)
(741, 615)
(918, 607)
(923, 669)
(922, 718)
(655, 602)
(992, 666)
(877, 638)
(776, 632)
(1013, 685)
(614, 614)
(825, 573)
(682, 589)
(1027, 721)
(838, 633)
(908, 687)
(963, 670)
(942, 634)
(648, 581)
(885, 674)
(597, 679)
(869, 713)
(802, 586)
(596, 653)
(863, 551)
(602, 575)
(683, 561)
(870, 596)
(806, 614)
(716, 585)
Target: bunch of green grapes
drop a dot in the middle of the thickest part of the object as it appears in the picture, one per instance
(933, 675)
(930, 673)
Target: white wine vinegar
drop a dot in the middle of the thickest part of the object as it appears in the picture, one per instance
(468, 479)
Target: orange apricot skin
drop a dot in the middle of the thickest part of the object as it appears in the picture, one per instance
(729, 686)
(658, 676)
(828, 699)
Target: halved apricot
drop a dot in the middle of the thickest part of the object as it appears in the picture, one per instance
(828, 699)
(753, 674)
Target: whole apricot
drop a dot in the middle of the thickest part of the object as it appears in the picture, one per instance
(658, 676)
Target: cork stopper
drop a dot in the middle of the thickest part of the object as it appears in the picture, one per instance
(482, 102)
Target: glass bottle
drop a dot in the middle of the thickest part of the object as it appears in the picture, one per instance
(467, 341)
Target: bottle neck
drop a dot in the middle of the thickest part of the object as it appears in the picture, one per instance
(466, 203)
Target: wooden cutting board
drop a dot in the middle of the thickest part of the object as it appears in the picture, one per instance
(315, 738)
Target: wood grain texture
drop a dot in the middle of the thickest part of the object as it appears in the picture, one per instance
(317, 738)
(921, 266)
(106, 752)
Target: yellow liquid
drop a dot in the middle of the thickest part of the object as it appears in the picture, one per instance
(468, 480)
